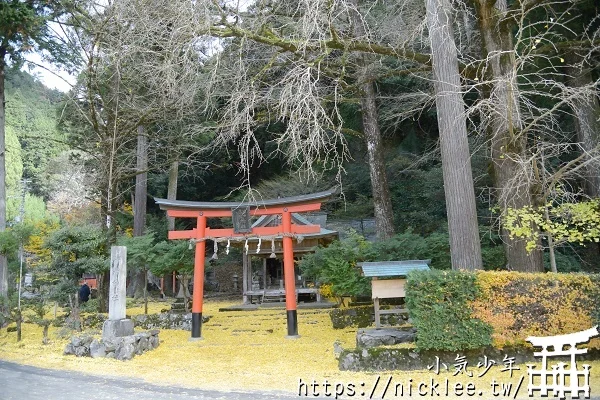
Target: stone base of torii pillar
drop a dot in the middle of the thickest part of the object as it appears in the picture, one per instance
(117, 325)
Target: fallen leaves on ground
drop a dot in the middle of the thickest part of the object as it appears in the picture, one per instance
(240, 350)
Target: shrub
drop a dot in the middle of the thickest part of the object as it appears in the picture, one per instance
(90, 306)
(439, 307)
(336, 265)
(410, 246)
(519, 305)
(454, 310)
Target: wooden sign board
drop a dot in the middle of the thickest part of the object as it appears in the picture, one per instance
(241, 220)
(388, 288)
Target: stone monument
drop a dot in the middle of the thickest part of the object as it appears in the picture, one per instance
(117, 325)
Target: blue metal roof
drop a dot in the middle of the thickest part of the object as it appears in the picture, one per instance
(393, 268)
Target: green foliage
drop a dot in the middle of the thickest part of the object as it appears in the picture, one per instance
(8, 243)
(31, 117)
(14, 161)
(76, 250)
(172, 256)
(439, 307)
(24, 29)
(35, 209)
(60, 289)
(419, 195)
(493, 257)
(410, 246)
(567, 222)
(90, 306)
(336, 265)
(565, 263)
(140, 250)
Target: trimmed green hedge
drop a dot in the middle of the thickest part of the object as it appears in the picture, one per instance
(454, 310)
(438, 302)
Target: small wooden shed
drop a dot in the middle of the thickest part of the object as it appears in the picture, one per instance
(392, 286)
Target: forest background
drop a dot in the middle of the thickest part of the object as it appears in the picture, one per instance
(468, 130)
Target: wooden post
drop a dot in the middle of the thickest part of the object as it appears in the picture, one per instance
(197, 297)
(376, 307)
(289, 275)
(245, 278)
(264, 274)
(377, 314)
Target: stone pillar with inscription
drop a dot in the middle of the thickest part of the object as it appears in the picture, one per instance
(117, 325)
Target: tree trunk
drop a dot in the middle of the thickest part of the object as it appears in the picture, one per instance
(19, 322)
(103, 282)
(172, 190)
(141, 184)
(3, 261)
(508, 145)
(465, 247)
(586, 112)
(138, 277)
(45, 333)
(384, 216)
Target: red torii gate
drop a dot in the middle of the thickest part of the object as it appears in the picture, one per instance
(241, 212)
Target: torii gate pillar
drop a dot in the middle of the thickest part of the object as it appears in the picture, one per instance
(289, 275)
(198, 295)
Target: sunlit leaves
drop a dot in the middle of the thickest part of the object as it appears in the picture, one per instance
(567, 222)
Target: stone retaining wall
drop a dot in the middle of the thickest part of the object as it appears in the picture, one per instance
(121, 348)
(150, 321)
(387, 359)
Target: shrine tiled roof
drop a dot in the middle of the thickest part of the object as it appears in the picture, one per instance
(166, 204)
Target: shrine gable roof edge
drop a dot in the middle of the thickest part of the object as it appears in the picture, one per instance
(166, 204)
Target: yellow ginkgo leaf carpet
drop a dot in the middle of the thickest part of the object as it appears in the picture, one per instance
(239, 351)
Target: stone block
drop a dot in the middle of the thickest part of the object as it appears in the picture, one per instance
(97, 349)
(128, 340)
(111, 344)
(82, 351)
(69, 349)
(125, 352)
(154, 342)
(119, 328)
(384, 337)
(144, 345)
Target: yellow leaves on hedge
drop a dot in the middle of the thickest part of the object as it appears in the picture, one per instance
(518, 305)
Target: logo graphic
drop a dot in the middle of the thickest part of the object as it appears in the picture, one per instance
(562, 377)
